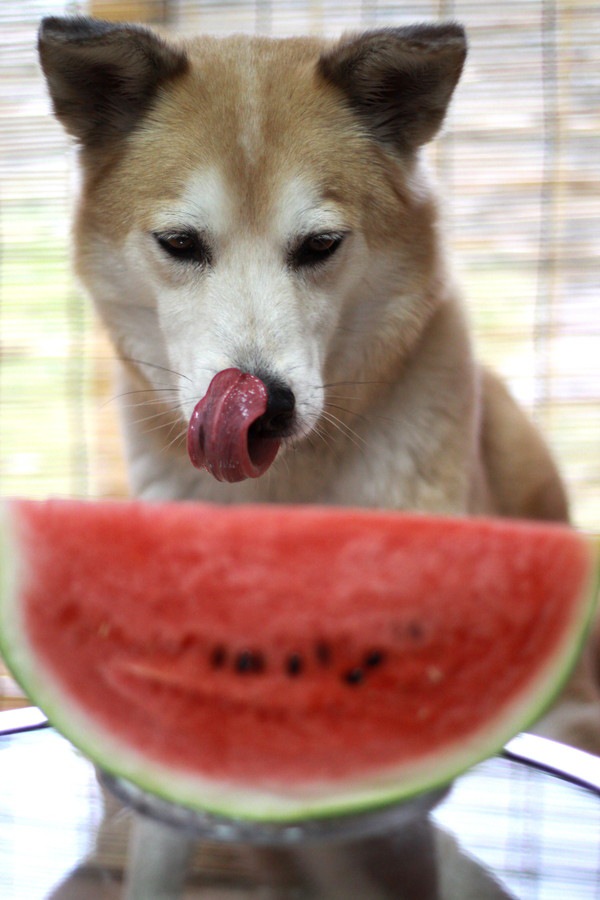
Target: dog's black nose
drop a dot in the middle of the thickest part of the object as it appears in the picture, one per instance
(277, 420)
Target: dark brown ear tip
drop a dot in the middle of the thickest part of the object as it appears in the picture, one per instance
(103, 76)
(63, 29)
(429, 38)
(81, 30)
(450, 36)
(433, 32)
(442, 32)
(399, 81)
(51, 30)
(421, 41)
(53, 25)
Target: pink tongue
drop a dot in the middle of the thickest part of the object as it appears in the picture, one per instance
(218, 436)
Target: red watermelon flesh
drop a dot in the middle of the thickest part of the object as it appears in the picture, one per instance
(278, 663)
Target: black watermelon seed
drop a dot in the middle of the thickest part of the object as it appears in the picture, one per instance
(294, 664)
(354, 677)
(218, 656)
(323, 653)
(374, 658)
(249, 661)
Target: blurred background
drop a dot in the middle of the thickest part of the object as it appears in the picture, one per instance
(518, 164)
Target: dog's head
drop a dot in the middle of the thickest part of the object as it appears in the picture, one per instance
(254, 225)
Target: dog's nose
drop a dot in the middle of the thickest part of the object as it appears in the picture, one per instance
(278, 417)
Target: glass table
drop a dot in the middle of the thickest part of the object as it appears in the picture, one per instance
(506, 829)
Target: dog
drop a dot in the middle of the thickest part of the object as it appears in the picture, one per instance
(261, 238)
(263, 206)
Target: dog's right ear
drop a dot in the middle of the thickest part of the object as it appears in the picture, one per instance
(103, 76)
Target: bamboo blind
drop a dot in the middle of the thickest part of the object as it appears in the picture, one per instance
(518, 163)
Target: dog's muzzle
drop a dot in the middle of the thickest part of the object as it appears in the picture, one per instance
(236, 429)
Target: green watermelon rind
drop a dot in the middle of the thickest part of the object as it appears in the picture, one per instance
(393, 785)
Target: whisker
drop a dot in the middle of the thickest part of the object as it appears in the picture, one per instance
(142, 362)
(345, 430)
(161, 425)
(341, 397)
(354, 383)
(164, 390)
(321, 433)
(159, 415)
(158, 409)
(335, 420)
(356, 415)
(152, 390)
(372, 416)
(179, 438)
(285, 462)
(150, 402)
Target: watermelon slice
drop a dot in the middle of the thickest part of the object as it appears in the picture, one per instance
(276, 663)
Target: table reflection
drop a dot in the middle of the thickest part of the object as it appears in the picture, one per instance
(505, 830)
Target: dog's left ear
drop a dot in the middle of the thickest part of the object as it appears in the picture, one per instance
(399, 80)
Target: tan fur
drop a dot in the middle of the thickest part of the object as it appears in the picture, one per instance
(523, 477)
(408, 419)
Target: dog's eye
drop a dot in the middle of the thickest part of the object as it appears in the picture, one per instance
(186, 246)
(322, 243)
(316, 249)
(179, 243)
